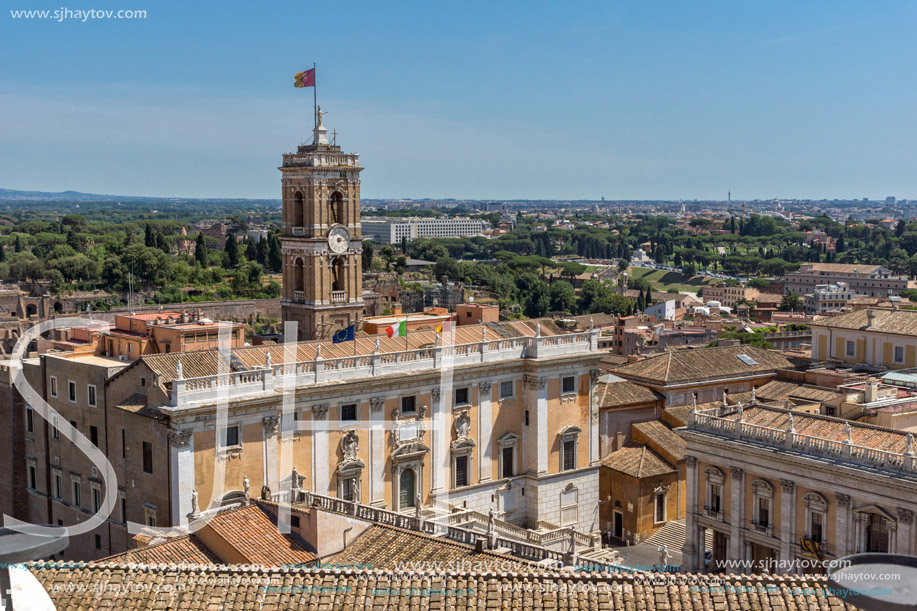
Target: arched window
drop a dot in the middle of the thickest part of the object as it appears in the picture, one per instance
(298, 210)
(762, 510)
(298, 279)
(337, 271)
(337, 207)
(816, 512)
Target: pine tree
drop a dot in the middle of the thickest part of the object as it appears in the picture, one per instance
(2, 254)
(262, 248)
(18, 245)
(149, 240)
(232, 249)
(251, 250)
(275, 258)
(200, 250)
(648, 300)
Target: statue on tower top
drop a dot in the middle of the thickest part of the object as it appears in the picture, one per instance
(319, 113)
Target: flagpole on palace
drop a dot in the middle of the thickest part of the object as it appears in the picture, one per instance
(314, 96)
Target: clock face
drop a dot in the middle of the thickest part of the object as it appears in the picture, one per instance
(338, 239)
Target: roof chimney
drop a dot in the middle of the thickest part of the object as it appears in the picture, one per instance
(871, 317)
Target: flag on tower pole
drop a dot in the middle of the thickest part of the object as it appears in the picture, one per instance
(306, 78)
(398, 330)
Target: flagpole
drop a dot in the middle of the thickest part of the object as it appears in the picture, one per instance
(405, 333)
(314, 96)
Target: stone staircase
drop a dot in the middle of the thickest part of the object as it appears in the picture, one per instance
(672, 535)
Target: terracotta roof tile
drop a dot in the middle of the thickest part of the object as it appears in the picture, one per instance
(623, 393)
(703, 363)
(253, 533)
(637, 461)
(899, 322)
(661, 438)
(187, 549)
(238, 587)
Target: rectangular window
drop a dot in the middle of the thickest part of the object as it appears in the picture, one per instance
(349, 412)
(569, 385)
(294, 521)
(526, 417)
(461, 471)
(71, 391)
(660, 508)
(94, 435)
(147, 457)
(53, 386)
(33, 478)
(55, 432)
(347, 489)
(123, 509)
(461, 396)
(98, 541)
(507, 466)
(764, 512)
(151, 521)
(76, 493)
(899, 354)
(58, 486)
(91, 394)
(816, 528)
(408, 405)
(232, 436)
(506, 389)
(96, 499)
(715, 498)
(851, 348)
(29, 420)
(569, 454)
(123, 443)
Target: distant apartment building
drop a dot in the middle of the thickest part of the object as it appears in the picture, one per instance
(391, 231)
(869, 280)
(829, 298)
(883, 339)
(729, 296)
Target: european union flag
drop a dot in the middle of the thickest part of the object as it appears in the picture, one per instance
(344, 335)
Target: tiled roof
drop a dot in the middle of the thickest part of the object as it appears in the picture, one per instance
(388, 548)
(824, 427)
(680, 413)
(237, 587)
(637, 461)
(841, 268)
(624, 393)
(778, 390)
(703, 363)
(662, 438)
(253, 533)
(900, 322)
(137, 404)
(187, 549)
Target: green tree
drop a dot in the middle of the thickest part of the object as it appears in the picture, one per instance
(232, 250)
(561, 296)
(791, 302)
(200, 250)
(275, 255)
(388, 255)
(367, 255)
(537, 302)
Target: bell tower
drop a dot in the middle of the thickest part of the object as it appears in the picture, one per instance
(321, 240)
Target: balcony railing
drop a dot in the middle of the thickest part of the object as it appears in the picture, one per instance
(715, 421)
(298, 232)
(710, 512)
(187, 391)
(759, 527)
(338, 296)
(298, 296)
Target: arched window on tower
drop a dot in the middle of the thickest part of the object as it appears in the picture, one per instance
(337, 207)
(298, 210)
(337, 271)
(298, 280)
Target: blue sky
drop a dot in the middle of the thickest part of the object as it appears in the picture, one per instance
(578, 100)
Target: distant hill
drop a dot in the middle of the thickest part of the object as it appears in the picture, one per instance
(11, 195)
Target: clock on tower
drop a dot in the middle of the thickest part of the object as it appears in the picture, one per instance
(321, 241)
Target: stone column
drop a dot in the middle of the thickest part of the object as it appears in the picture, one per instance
(594, 456)
(541, 423)
(270, 444)
(181, 447)
(787, 519)
(439, 441)
(377, 452)
(689, 551)
(736, 511)
(485, 431)
(320, 456)
(905, 542)
(842, 525)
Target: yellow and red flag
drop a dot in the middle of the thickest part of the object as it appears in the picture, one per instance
(305, 79)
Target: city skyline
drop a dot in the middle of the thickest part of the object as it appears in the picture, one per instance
(642, 103)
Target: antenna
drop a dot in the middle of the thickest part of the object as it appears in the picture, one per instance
(130, 289)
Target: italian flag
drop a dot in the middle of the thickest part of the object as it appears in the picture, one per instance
(399, 330)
